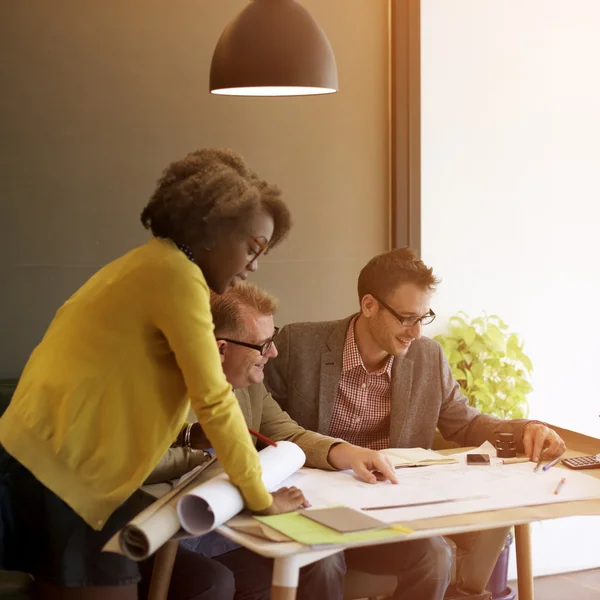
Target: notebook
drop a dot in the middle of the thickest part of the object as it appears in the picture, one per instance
(343, 519)
(417, 457)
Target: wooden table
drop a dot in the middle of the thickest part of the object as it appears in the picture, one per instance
(289, 557)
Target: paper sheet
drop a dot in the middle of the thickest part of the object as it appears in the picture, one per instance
(471, 489)
(192, 509)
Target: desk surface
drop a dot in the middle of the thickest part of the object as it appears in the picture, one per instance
(437, 526)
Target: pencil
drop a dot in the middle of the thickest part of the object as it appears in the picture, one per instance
(560, 484)
(512, 461)
(413, 504)
(262, 438)
(550, 464)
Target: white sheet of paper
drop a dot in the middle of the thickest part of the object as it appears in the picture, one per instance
(474, 488)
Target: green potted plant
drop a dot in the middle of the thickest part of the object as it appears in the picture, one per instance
(494, 373)
(489, 364)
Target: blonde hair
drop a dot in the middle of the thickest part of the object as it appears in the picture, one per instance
(386, 271)
(227, 308)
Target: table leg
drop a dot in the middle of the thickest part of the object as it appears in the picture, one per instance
(164, 560)
(283, 593)
(286, 571)
(524, 568)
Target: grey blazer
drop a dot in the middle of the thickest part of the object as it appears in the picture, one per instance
(303, 379)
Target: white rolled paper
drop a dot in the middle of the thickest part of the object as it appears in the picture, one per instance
(213, 503)
(200, 508)
(139, 541)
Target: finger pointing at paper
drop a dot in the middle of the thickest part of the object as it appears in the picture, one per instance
(370, 465)
(538, 438)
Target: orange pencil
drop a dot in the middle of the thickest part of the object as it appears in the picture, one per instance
(560, 484)
(262, 438)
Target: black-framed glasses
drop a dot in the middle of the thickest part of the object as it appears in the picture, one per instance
(262, 348)
(408, 321)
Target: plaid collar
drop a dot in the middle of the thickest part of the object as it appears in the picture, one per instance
(351, 358)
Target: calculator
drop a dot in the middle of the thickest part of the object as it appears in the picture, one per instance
(582, 462)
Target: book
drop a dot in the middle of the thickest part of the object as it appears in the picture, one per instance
(417, 457)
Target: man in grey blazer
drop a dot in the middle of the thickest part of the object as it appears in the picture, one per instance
(373, 380)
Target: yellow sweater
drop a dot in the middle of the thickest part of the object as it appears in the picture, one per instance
(106, 391)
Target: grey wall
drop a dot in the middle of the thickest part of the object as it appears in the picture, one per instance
(97, 97)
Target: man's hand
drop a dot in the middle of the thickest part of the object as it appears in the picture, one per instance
(370, 465)
(538, 439)
(286, 500)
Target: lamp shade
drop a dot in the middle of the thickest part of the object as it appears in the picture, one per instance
(273, 48)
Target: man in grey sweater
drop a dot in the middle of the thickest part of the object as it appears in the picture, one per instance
(373, 380)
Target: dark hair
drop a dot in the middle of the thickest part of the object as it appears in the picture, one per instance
(209, 192)
(386, 271)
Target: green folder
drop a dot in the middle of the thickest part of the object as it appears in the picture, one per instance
(305, 531)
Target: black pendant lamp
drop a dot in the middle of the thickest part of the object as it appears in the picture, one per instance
(273, 48)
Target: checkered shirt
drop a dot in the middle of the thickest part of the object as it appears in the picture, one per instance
(362, 407)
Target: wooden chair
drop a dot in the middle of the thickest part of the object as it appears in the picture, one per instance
(164, 559)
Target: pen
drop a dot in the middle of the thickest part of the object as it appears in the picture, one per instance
(539, 464)
(262, 438)
(550, 464)
(513, 461)
(560, 484)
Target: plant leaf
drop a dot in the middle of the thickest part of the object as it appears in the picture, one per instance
(459, 374)
(499, 321)
(455, 357)
(469, 335)
(469, 378)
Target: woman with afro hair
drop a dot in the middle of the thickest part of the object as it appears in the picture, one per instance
(107, 390)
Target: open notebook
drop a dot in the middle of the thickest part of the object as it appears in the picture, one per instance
(417, 457)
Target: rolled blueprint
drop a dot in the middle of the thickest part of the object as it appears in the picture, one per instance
(216, 501)
(194, 508)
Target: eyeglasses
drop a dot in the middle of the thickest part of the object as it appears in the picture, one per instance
(408, 321)
(262, 348)
(262, 249)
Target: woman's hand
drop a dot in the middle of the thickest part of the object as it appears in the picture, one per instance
(286, 500)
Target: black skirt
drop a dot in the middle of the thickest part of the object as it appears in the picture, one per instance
(42, 536)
